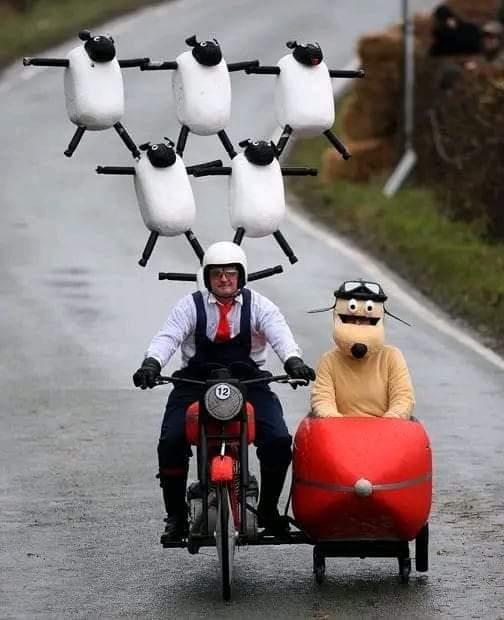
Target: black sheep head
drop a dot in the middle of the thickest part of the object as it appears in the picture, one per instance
(99, 48)
(308, 54)
(207, 53)
(160, 155)
(259, 152)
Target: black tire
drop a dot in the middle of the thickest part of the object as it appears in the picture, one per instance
(422, 550)
(318, 565)
(404, 569)
(223, 499)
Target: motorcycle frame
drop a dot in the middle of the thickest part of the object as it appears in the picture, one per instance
(203, 454)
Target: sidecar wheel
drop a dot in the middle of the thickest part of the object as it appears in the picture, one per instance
(422, 550)
(404, 569)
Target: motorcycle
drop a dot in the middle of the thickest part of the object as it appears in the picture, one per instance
(364, 491)
(222, 503)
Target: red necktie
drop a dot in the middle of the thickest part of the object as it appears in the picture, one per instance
(223, 329)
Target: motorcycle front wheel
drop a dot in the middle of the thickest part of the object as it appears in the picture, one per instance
(225, 539)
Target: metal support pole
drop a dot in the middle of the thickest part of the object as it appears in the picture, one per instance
(409, 76)
(408, 159)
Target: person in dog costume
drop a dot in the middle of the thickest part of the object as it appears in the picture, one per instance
(362, 376)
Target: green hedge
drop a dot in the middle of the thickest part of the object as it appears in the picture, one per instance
(49, 22)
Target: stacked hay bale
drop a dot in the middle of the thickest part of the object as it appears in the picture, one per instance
(371, 118)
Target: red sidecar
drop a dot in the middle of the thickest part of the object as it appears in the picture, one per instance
(363, 487)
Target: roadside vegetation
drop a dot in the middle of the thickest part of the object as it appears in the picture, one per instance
(450, 261)
(30, 26)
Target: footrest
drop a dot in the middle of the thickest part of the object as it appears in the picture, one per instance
(169, 543)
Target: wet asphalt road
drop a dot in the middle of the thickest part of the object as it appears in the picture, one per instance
(80, 510)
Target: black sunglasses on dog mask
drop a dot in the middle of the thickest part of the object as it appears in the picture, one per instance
(360, 289)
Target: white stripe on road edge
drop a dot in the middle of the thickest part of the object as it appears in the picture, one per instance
(421, 311)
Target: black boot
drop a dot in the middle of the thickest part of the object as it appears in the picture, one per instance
(176, 510)
(268, 517)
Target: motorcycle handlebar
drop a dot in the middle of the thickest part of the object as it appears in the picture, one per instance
(163, 380)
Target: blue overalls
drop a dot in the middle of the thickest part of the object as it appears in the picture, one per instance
(273, 440)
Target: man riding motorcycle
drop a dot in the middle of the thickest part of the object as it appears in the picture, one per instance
(227, 325)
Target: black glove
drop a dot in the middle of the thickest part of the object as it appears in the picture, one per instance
(146, 375)
(297, 369)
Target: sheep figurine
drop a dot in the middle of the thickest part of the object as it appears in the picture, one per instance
(93, 84)
(164, 194)
(256, 190)
(304, 100)
(202, 90)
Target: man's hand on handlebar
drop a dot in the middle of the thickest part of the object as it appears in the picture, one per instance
(297, 369)
(145, 377)
(295, 383)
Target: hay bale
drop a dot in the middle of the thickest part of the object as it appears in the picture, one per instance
(368, 117)
(372, 110)
(379, 47)
(369, 158)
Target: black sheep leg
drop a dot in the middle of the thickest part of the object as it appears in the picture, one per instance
(74, 142)
(226, 143)
(284, 138)
(182, 139)
(149, 246)
(240, 232)
(338, 145)
(282, 242)
(126, 138)
(195, 244)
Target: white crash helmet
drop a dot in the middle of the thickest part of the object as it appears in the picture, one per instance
(225, 253)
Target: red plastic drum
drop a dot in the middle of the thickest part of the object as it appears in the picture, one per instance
(361, 478)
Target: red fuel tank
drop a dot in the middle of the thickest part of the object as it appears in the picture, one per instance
(361, 478)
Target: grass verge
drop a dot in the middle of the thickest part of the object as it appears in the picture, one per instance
(447, 260)
(49, 22)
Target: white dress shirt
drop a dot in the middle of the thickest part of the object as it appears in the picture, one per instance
(267, 325)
